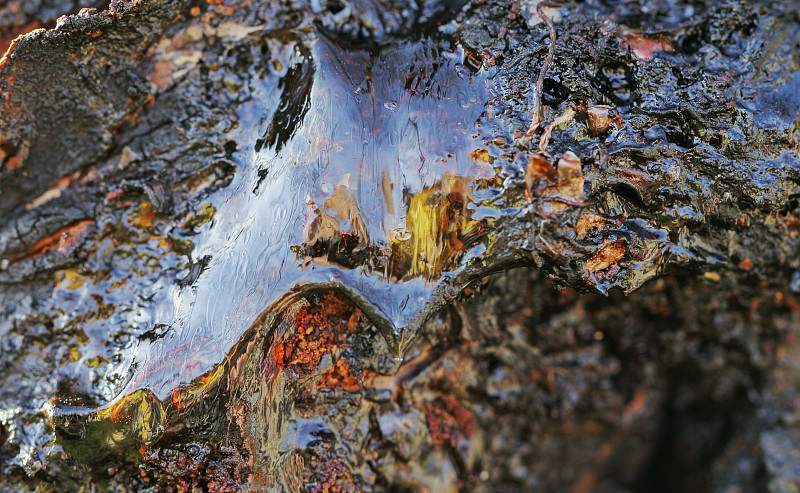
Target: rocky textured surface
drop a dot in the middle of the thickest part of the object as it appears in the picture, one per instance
(222, 222)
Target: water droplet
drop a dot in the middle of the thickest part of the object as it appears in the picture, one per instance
(390, 105)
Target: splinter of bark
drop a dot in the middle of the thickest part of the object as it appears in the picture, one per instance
(544, 141)
(538, 113)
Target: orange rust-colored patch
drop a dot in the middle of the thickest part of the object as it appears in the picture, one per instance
(601, 118)
(637, 405)
(610, 253)
(278, 355)
(114, 194)
(71, 235)
(746, 264)
(14, 162)
(442, 426)
(538, 174)
(176, 400)
(589, 222)
(64, 239)
(11, 156)
(563, 190)
(464, 418)
(644, 48)
(742, 221)
(318, 329)
(144, 216)
(448, 422)
(340, 377)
